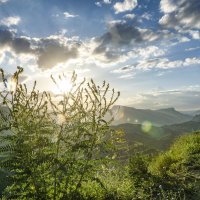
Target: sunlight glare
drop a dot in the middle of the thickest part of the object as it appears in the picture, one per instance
(62, 86)
(11, 84)
(146, 126)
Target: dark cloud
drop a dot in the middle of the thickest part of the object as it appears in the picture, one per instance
(21, 45)
(180, 13)
(126, 68)
(48, 52)
(52, 54)
(119, 34)
(5, 37)
(18, 44)
(123, 35)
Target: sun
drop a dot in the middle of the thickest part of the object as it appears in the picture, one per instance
(62, 86)
(11, 84)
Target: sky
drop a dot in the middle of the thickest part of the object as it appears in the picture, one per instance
(149, 50)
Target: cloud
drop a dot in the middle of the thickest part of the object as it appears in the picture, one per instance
(5, 37)
(2, 56)
(146, 16)
(126, 5)
(3, 1)
(21, 45)
(10, 21)
(68, 15)
(127, 76)
(165, 63)
(168, 6)
(17, 44)
(22, 78)
(122, 70)
(121, 37)
(180, 98)
(195, 34)
(129, 16)
(191, 61)
(98, 4)
(119, 34)
(147, 52)
(48, 52)
(192, 48)
(53, 53)
(107, 1)
(180, 13)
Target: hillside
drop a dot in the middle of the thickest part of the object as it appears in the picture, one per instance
(123, 114)
(159, 138)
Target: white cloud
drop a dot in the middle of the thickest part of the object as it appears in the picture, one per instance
(98, 4)
(126, 76)
(164, 63)
(68, 15)
(127, 5)
(191, 61)
(168, 6)
(186, 97)
(192, 48)
(164, 19)
(114, 22)
(150, 51)
(146, 16)
(122, 70)
(183, 39)
(195, 34)
(129, 16)
(180, 14)
(3, 1)
(9, 21)
(107, 1)
(2, 56)
(125, 72)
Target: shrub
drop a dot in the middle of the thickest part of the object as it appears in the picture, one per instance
(52, 147)
(173, 174)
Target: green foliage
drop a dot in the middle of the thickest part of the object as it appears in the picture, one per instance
(180, 166)
(52, 146)
(114, 184)
(172, 174)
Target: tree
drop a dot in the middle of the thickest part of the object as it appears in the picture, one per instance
(51, 145)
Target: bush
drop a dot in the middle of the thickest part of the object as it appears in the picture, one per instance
(180, 166)
(173, 174)
(51, 147)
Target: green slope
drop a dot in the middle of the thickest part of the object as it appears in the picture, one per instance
(158, 138)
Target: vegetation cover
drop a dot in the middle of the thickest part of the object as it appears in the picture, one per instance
(61, 147)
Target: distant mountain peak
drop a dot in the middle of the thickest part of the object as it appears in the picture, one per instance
(196, 118)
(165, 116)
(167, 109)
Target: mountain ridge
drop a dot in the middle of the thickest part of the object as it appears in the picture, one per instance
(160, 117)
(159, 138)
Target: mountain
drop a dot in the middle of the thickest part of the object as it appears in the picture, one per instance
(159, 138)
(191, 112)
(123, 114)
(196, 118)
(197, 112)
